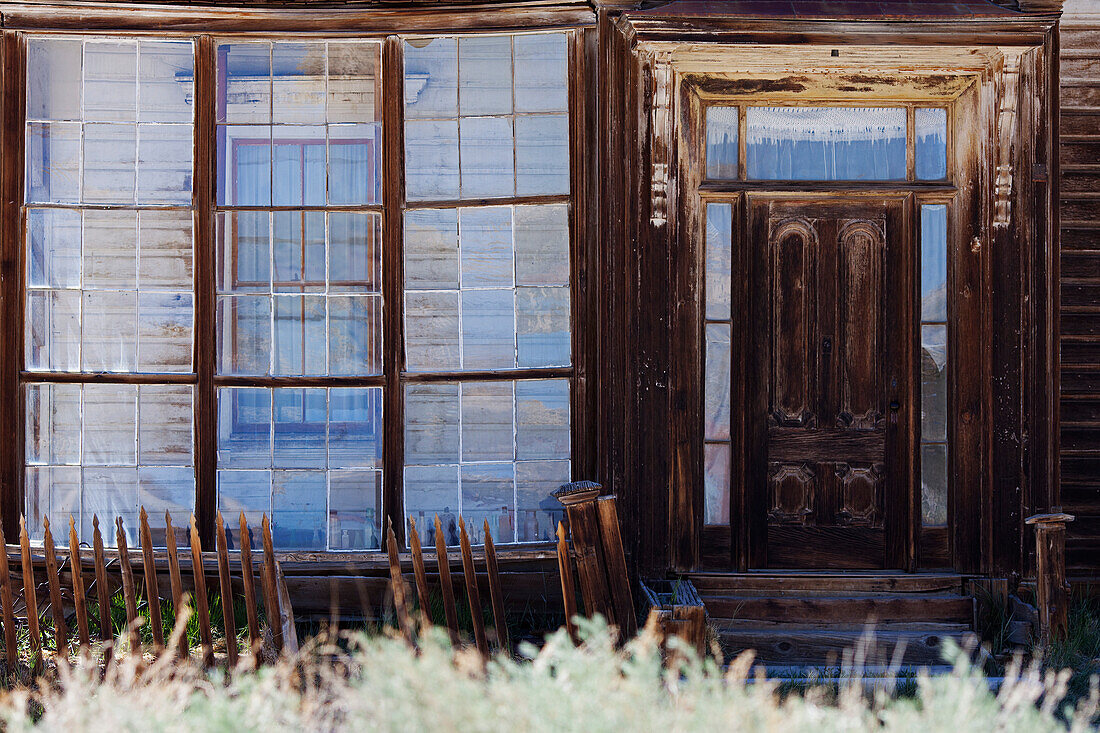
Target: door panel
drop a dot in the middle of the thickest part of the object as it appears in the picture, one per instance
(826, 467)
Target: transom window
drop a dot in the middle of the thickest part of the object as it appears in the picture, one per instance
(473, 387)
(759, 143)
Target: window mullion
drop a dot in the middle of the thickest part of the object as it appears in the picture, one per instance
(206, 420)
(393, 198)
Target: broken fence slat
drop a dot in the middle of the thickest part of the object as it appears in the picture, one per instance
(496, 595)
(7, 601)
(53, 577)
(80, 601)
(446, 585)
(568, 586)
(226, 583)
(129, 591)
(247, 578)
(397, 585)
(29, 595)
(271, 598)
(286, 613)
(175, 579)
(152, 589)
(469, 574)
(420, 573)
(618, 577)
(103, 594)
(201, 606)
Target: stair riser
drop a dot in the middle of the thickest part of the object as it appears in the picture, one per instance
(954, 609)
(836, 649)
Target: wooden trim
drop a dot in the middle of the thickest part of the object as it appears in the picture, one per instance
(495, 201)
(228, 380)
(12, 275)
(711, 188)
(32, 377)
(497, 375)
(365, 21)
(206, 405)
(393, 278)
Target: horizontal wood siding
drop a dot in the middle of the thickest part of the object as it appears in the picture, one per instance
(1080, 284)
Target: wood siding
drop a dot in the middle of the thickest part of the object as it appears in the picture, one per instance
(1080, 285)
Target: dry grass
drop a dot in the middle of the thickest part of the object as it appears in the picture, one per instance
(377, 683)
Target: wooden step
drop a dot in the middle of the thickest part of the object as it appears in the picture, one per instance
(831, 584)
(832, 647)
(747, 624)
(846, 609)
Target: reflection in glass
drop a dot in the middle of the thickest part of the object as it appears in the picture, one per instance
(488, 451)
(719, 262)
(478, 125)
(722, 152)
(309, 456)
(930, 130)
(716, 390)
(933, 369)
(108, 449)
(716, 483)
(933, 262)
(933, 479)
(826, 143)
(484, 321)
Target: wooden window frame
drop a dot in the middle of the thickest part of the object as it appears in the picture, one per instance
(390, 29)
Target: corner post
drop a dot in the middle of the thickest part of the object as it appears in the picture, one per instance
(1051, 588)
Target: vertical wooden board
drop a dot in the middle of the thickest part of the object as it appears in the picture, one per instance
(152, 591)
(268, 576)
(590, 568)
(103, 593)
(12, 276)
(129, 592)
(755, 443)
(398, 588)
(57, 605)
(469, 574)
(421, 575)
(201, 607)
(393, 278)
(496, 596)
(7, 605)
(568, 585)
(247, 582)
(80, 601)
(226, 588)
(29, 596)
(618, 577)
(446, 585)
(205, 175)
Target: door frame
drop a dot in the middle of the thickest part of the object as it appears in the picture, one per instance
(972, 113)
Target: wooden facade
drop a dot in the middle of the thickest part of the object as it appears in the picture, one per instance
(642, 76)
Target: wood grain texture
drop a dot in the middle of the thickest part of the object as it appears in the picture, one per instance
(248, 576)
(30, 598)
(57, 605)
(80, 601)
(129, 589)
(267, 576)
(152, 589)
(496, 593)
(103, 595)
(420, 574)
(446, 585)
(202, 608)
(225, 583)
(399, 590)
(568, 584)
(175, 579)
(473, 595)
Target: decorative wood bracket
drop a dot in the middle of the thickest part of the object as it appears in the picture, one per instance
(1007, 116)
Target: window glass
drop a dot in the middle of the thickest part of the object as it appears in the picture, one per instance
(486, 117)
(718, 353)
(934, 364)
(722, 152)
(930, 128)
(488, 451)
(310, 458)
(826, 143)
(487, 288)
(107, 450)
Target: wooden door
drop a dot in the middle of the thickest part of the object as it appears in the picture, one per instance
(829, 383)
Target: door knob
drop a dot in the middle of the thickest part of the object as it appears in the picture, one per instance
(895, 406)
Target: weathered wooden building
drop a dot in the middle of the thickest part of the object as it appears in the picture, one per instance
(783, 276)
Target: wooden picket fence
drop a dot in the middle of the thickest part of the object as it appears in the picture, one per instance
(408, 622)
(273, 588)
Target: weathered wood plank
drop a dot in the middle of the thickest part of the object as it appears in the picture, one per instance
(79, 600)
(103, 595)
(226, 588)
(398, 588)
(57, 606)
(152, 591)
(268, 576)
(175, 579)
(446, 585)
(129, 592)
(247, 582)
(568, 585)
(469, 574)
(421, 575)
(29, 595)
(496, 596)
(202, 609)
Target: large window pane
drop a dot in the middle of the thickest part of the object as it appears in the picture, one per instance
(826, 143)
(299, 293)
(299, 123)
(108, 449)
(109, 290)
(486, 117)
(311, 458)
(487, 288)
(934, 360)
(488, 451)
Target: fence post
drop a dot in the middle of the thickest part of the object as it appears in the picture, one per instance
(1051, 588)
